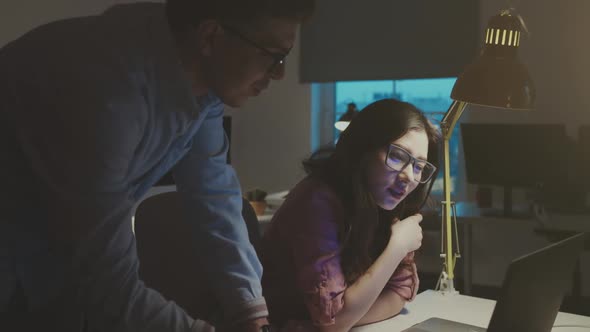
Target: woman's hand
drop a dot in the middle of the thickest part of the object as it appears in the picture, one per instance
(406, 235)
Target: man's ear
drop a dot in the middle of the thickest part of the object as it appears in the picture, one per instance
(207, 34)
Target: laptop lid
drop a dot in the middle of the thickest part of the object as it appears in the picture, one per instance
(531, 294)
(534, 287)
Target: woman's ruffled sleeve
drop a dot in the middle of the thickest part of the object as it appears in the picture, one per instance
(317, 257)
(405, 281)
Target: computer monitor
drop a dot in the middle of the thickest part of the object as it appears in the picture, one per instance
(516, 155)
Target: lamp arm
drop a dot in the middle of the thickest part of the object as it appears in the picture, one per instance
(447, 125)
(451, 117)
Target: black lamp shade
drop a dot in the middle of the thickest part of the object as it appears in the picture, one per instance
(497, 78)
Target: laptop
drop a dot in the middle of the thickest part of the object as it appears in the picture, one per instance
(531, 294)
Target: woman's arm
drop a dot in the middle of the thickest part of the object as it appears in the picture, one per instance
(402, 287)
(387, 305)
(360, 297)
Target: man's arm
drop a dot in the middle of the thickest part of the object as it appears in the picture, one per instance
(80, 151)
(212, 196)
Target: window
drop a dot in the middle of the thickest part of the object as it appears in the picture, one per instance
(432, 96)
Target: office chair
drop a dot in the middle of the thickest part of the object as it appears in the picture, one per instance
(168, 262)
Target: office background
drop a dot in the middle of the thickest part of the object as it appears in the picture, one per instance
(271, 134)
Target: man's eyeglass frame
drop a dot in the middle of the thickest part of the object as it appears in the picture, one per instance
(278, 58)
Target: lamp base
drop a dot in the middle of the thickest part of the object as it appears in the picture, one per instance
(446, 286)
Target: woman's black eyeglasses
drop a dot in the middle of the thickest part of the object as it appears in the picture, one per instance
(398, 159)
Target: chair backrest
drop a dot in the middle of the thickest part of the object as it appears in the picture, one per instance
(165, 253)
(251, 223)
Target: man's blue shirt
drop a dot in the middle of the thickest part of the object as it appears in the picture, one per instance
(99, 108)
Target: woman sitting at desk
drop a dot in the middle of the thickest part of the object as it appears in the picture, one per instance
(339, 251)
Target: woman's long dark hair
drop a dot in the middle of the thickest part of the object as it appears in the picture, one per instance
(366, 230)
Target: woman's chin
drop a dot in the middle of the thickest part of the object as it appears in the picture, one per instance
(389, 204)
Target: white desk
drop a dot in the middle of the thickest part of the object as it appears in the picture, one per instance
(478, 230)
(460, 308)
(266, 217)
(274, 201)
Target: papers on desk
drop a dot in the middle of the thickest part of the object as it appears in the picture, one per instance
(275, 200)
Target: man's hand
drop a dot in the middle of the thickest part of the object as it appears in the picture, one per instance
(253, 325)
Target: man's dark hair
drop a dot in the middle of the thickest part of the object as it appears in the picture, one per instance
(182, 14)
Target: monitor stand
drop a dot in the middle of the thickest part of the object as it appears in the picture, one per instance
(511, 213)
(507, 201)
(507, 212)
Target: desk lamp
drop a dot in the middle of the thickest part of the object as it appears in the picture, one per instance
(495, 79)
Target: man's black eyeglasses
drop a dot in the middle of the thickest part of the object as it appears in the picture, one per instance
(278, 58)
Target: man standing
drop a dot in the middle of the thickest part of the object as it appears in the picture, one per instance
(94, 111)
